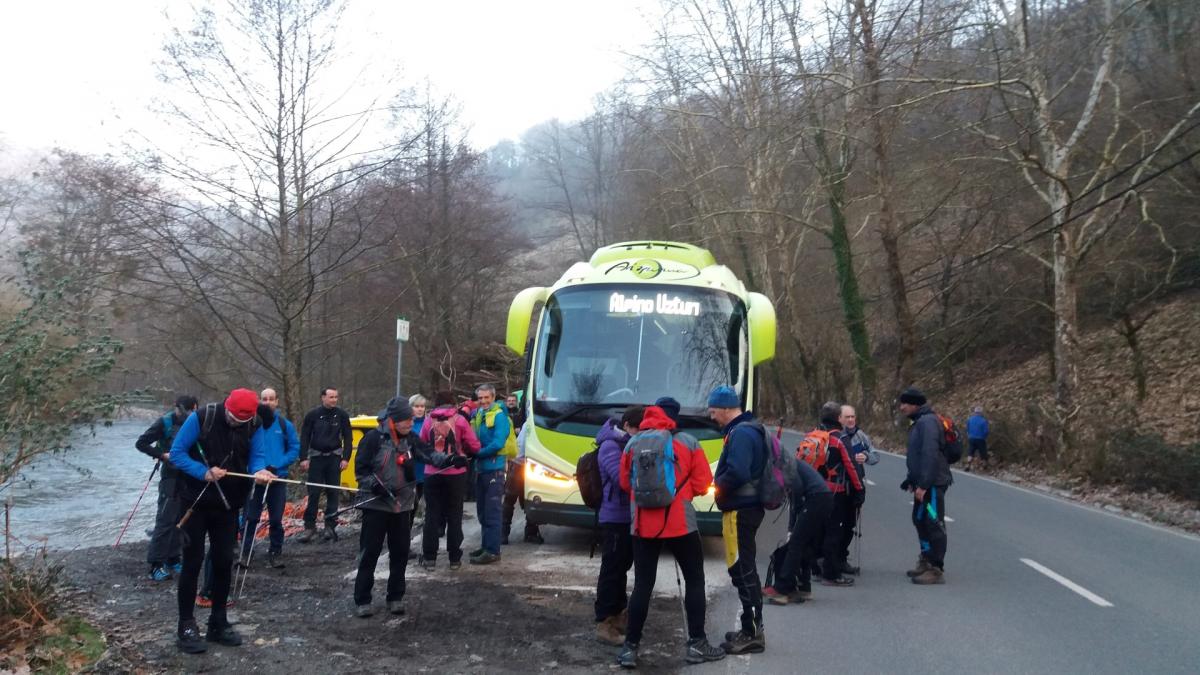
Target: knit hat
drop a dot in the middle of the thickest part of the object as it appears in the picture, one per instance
(913, 396)
(669, 406)
(397, 410)
(724, 397)
(241, 404)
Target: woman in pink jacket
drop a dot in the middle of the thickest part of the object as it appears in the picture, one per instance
(446, 431)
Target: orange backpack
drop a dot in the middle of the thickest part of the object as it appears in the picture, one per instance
(814, 449)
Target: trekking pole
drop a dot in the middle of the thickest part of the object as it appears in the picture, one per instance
(253, 539)
(858, 538)
(682, 606)
(353, 506)
(208, 466)
(137, 503)
(294, 482)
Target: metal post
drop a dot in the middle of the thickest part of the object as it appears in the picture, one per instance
(399, 362)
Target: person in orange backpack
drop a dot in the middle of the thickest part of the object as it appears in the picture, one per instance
(842, 478)
(662, 475)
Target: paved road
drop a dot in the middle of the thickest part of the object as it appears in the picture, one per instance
(996, 613)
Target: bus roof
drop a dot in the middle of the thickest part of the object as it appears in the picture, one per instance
(653, 262)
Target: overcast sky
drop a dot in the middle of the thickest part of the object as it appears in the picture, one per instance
(79, 74)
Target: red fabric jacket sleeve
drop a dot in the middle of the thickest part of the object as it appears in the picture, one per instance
(700, 476)
(847, 464)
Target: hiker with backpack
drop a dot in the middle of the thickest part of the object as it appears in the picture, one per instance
(863, 452)
(812, 501)
(824, 449)
(662, 475)
(446, 432)
(384, 466)
(282, 448)
(928, 479)
(163, 554)
(215, 439)
(498, 443)
(738, 479)
(612, 600)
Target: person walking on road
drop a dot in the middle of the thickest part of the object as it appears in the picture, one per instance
(282, 448)
(612, 615)
(812, 501)
(663, 517)
(325, 444)
(163, 554)
(928, 478)
(977, 435)
(863, 452)
(491, 425)
(383, 467)
(447, 432)
(739, 471)
(842, 478)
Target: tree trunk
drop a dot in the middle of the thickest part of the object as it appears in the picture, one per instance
(853, 312)
(1129, 330)
(1066, 339)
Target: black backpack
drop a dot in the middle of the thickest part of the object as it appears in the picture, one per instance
(587, 474)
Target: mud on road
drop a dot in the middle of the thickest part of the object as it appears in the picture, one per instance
(531, 612)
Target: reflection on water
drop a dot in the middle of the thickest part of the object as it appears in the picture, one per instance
(82, 497)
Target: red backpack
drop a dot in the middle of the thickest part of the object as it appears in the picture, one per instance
(441, 435)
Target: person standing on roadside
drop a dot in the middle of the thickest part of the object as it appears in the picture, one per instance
(616, 548)
(420, 406)
(218, 438)
(163, 553)
(862, 452)
(516, 413)
(928, 479)
(325, 444)
(977, 435)
(494, 431)
(672, 527)
(812, 500)
(841, 475)
(282, 448)
(447, 432)
(739, 470)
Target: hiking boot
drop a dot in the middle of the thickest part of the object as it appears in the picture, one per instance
(774, 597)
(455, 565)
(203, 601)
(847, 568)
(799, 596)
(330, 534)
(485, 558)
(622, 621)
(922, 566)
(606, 632)
(160, 573)
(307, 535)
(428, 565)
(476, 553)
(699, 651)
(534, 539)
(931, 576)
(273, 561)
(394, 607)
(176, 567)
(363, 611)
(838, 582)
(223, 634)
(627, 657)
(742, 642)
(188, 639)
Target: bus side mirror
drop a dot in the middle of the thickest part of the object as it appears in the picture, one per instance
(519, 314)
(762, 328)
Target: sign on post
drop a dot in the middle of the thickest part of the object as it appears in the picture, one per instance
(401, 330)
(401, 338)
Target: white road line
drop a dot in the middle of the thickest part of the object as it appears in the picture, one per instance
(870, 482)
(1092, 597)
(949, 519)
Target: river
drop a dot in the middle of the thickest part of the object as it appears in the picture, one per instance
(82, 497)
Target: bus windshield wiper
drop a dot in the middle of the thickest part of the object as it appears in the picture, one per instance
(578, 408)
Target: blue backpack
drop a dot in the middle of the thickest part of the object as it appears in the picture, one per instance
(652, 473)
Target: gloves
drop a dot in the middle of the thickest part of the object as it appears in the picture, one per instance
(906, 486)
(458, 462)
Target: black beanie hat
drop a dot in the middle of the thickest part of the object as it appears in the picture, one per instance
(398, 410)
(913, 396)
(669, 406)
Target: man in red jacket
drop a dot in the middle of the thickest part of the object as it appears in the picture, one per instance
(672, 527)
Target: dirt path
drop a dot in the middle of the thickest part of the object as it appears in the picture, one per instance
(531, 612)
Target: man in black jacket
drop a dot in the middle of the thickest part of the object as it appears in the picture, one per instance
(928, 478)
(325, 444)
(163, 554)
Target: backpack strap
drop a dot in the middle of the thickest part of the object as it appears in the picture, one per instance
(210, 414)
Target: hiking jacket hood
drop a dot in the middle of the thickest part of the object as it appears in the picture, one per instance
(614, 504)
(927, 465)
(693, 476)
(742, 461)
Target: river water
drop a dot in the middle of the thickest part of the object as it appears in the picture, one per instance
(82, 497)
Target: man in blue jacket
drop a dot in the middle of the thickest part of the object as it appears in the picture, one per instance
(282, 448)
(977, 433)
(214, 440)
(739, 470)
(493, 428)
(928, 479)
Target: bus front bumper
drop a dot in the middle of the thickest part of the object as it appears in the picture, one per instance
(541, 512)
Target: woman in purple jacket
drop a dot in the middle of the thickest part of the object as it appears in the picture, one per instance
(615, 516)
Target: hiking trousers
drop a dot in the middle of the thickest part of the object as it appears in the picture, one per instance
(841, 515)
(489, 496)
(929, 517)
(220, 526)
(807, 526)
(377, 526)
(739, 529)
(444, 508)
(324, 469)
(689, 555)
(276, 501)
(165, 546)
(616, 558)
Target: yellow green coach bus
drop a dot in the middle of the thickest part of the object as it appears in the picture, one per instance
(638, 321)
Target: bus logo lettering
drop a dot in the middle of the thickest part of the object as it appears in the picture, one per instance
(661, 304)
(649, 268)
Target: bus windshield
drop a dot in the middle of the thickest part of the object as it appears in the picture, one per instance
(604, 347)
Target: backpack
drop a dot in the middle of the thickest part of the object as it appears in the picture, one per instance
(441, 436)
(773, 481)
(814, 449)
(587, 474)
(951, 441)
(652, 473)
(164, 444)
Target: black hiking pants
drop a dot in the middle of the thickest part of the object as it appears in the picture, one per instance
(220, 526)
(165, 544)
(739, 529)
(616, 558)
(689, 555)
(376, 526)
(443, 509)
(807, 526)
(835, 532)
(325, 469)
(929, 517)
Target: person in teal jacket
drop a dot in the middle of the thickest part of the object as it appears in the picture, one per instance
(491, 424)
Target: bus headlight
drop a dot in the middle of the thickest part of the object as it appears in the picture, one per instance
(536, 471)
(712, 490)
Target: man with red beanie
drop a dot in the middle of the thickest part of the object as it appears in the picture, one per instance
(662, 475)
(214, 440)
